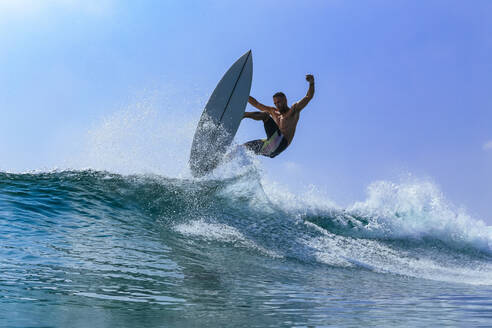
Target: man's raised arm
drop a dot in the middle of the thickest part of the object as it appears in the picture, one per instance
(304, 101)
(253, 102)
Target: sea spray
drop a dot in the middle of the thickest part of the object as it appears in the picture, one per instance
(418, 209)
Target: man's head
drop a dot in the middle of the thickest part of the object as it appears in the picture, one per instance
(280, 101)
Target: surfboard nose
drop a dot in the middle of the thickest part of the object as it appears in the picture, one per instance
(248, 54)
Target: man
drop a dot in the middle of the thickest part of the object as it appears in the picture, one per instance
(280, 122)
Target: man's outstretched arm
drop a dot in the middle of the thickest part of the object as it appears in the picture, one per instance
(257, 116)
(310, 94)
(253, 102)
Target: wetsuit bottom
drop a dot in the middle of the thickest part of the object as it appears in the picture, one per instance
(273, 145)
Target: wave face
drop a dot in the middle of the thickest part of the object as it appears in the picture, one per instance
(152, 240)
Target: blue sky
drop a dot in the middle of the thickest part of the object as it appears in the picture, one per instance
(402, 87)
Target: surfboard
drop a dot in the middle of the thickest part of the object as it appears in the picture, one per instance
(221, 117)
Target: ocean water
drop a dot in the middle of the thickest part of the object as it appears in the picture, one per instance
(91, 248)
(122, 236)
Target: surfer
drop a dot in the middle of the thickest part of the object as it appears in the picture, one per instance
(280, 122)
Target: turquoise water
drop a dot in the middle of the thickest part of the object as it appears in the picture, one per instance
(94, 249)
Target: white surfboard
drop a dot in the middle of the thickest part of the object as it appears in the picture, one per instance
(221, 117)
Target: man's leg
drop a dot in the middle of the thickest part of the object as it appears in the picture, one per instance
(268, 122)
(270, 128)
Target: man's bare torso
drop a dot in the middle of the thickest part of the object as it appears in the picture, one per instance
(286, 122)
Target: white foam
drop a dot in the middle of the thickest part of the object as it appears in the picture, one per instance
(220, 232)
(419, 209)
(408, 210)
(344, 251)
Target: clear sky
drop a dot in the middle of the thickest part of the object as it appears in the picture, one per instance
(403, 88)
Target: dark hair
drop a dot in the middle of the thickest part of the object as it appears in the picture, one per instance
(279, 94)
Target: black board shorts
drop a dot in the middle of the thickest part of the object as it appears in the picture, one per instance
(274, 144)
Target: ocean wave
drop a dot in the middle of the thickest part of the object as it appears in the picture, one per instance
(407, 229)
